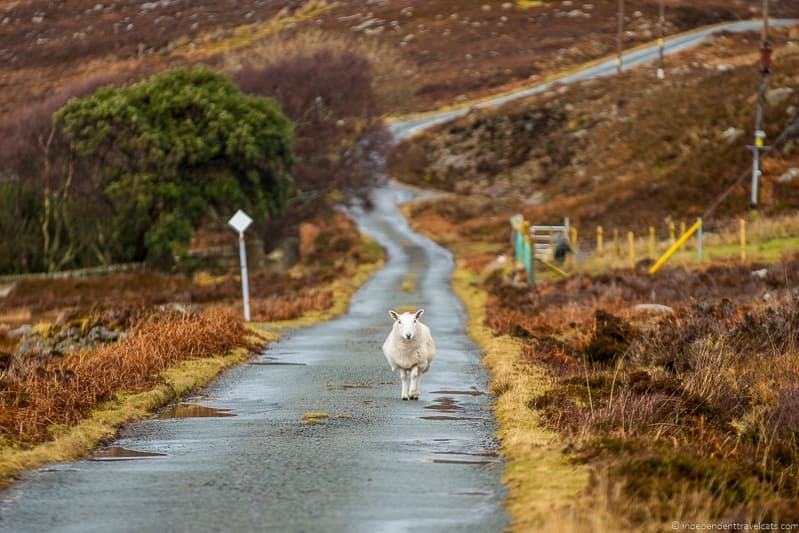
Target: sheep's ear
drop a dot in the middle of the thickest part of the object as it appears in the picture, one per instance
(393, 314)
(419, 314)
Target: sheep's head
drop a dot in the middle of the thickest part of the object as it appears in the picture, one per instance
(406, 323)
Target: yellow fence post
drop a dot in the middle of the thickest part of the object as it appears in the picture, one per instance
(674, 247)
(672, 236)
(631, 245)
(742, 230)
(652, 250)
(600, 240)
(616, 244)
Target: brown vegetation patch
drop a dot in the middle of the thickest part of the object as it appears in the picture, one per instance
(691, 411)
(36, 396)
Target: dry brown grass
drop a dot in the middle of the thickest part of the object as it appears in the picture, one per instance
(277, 308)
(689, 417)
(37, 395)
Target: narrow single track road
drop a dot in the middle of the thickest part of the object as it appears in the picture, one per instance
(404, 128)
(376, 463)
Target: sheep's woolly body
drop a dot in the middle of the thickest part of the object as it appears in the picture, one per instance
(409, 348)
(403, 354)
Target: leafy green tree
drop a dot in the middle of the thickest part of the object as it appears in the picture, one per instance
(173, 148)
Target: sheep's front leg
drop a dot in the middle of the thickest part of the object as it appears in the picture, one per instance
(416, 378)
(404, 379)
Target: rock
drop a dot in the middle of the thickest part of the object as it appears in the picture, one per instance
(760, 274)
(732, 134)
(20, 332)
(174, 307)
(497, 265)
(789, 176)
(778, 96)
(6, 290)
(33, 345)
(655, 309)
(102, 334)
(365, 24)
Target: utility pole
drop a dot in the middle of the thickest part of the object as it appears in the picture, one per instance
(662, 40)
(760, 136)
(620, 39)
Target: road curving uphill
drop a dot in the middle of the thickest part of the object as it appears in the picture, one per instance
(405, 127)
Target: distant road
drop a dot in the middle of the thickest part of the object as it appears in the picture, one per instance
(403, 129)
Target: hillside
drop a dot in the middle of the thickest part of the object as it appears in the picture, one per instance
(454, 49)
(627, 151)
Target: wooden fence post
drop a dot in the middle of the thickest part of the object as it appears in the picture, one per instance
(652, 248)
(742, 231)
(600, 240)
(631, 245)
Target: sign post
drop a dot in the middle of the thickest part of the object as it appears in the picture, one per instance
(240, 222)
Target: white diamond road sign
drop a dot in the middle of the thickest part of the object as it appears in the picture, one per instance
(240, 221)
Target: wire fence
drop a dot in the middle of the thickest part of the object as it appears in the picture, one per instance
(603, 248)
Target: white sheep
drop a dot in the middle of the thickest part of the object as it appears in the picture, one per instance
(409, 348)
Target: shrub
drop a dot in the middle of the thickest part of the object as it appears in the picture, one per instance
(329, 97)
(48, 207)
(340, 139)
(168, 150)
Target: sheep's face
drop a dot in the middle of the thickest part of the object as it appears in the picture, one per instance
(406, 323)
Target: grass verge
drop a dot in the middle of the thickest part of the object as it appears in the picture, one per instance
(539, 477)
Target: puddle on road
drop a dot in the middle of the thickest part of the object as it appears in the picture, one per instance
(117, 453)
(348, 386)
(442, 417)
(191, 410)
(275, 363)
(459, 462)
(444, 404)
(356, 386)
(478, 454)
(459, 392)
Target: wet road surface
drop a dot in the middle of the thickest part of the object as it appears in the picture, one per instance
(241, 457)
